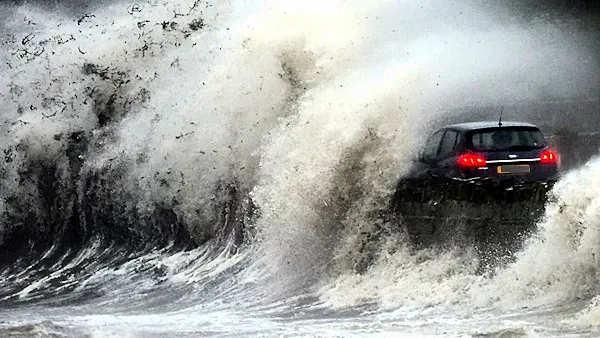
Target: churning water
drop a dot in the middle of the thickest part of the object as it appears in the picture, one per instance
(189, 168)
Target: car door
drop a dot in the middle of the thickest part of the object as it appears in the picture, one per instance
(427, 165)
(446, 163)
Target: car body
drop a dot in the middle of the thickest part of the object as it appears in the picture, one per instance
(481, 183)
(508, 153)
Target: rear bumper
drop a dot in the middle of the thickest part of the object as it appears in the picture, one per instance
(489, 184)
(490, 175)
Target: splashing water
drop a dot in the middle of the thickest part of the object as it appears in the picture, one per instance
(227, 162)
(560, 263)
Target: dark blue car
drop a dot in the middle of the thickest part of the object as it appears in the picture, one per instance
(512, 153)
(482, 183)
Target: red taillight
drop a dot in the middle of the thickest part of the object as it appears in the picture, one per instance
(548, 157)
(470, 160)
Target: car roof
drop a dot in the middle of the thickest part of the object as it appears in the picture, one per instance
(487, 124)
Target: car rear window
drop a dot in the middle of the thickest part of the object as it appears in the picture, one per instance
(507, 139)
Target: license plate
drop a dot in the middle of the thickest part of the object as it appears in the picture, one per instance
(514, 169)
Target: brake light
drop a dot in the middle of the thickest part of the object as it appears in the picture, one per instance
(471, 160)
(548, 157)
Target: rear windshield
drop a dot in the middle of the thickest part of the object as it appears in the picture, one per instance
(507, 139)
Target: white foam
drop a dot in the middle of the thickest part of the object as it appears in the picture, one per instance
(560, 264)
